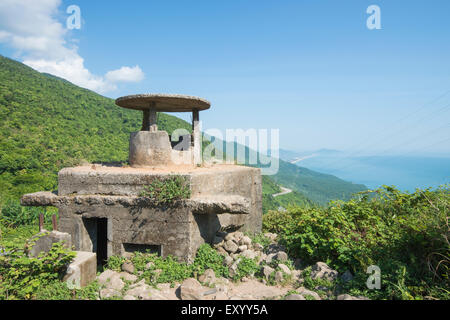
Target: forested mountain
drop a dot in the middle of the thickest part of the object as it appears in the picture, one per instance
(47, 123)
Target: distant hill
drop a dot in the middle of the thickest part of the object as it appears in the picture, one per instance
(270, 203)
(47, 123)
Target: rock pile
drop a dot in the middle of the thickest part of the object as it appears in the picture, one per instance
(278, 277)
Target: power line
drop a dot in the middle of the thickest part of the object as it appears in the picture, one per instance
(389, 136)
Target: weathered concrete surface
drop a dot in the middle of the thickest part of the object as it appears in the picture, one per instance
(44, 241)
(223, 197)
(82, 270)
(163, 102)
(150, 149)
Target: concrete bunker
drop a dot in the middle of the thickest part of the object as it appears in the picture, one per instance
(103, 209)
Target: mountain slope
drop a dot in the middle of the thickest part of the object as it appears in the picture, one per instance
(47, 123)
(269, 188)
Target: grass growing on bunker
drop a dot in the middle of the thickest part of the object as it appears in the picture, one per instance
(167, 190)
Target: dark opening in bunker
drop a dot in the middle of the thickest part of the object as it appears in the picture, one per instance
(144, 248)
(97, 229)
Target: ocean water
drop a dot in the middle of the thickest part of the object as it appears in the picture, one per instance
(406, 173)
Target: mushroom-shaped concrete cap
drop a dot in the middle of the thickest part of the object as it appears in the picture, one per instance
(163, 102)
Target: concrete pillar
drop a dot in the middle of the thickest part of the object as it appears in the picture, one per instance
(149, 119)
(197, 148)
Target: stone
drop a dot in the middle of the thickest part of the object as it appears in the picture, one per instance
(149, 265)
(129, 297)
(228, 261)
(271, 236)
(322, 271)
(44, 241)
(275, 248)
(105, 275)
(218, 241)
(234, 267)
(250, 254)
(128, 277)
(245, 241)
(82, 270)
(111, 280)
(238, 235)
(258, 247)
(128, 267)
(145, 292)
(230, 246)
(349, 297)
(221, 296)
(281, 256)
(208, 278)
(284, 268)
(242, 248)
(267, 271)
(230, 237)
(270, 257)
(278, 276)
(305, 292)
(347, 276)
(295, 297)
(109, 293)
(222, 251)
(191, 289)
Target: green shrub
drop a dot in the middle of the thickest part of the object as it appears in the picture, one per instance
(167, 190)
(162, 270)
(406, 235)
(246, 267)
(115, 263)
(208, 258)
(15, 215)
(22, 276)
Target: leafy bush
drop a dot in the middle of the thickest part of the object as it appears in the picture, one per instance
(14, 215)
(406, 235)
(115, 263)
(246, 267)
(22, 276)
(160, 270)
(166, 190)
(208, 258)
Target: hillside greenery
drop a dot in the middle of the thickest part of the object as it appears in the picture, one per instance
(269, 188)
(318, 187)
(47, 123)
(405, 235)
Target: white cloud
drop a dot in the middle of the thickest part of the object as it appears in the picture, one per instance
(32, 29)
(125, 74)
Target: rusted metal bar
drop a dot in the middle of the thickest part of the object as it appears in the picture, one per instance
(54, 223)
(41, 221)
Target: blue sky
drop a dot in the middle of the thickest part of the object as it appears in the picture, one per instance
(310, 68)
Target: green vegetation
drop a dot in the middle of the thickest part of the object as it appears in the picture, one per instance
(269, 187)
(22, 276)
(167, 190)
(317, 187)
(47, 123)
(406, 235)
